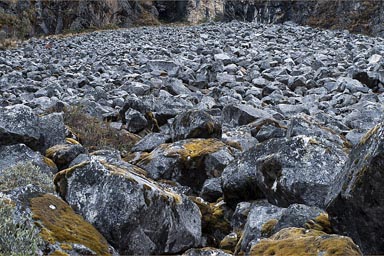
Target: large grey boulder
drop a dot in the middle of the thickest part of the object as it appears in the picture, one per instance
(195, 124)
(359, 203)
(20, 154)
(297, 170)
(189, 162)
(18, 124)
(135, 214)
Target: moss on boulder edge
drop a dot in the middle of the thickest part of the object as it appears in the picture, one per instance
(299, 241)
(59, 223)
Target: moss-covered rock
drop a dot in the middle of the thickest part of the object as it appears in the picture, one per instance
(60, 224)
(188, 162)
(195, 124)
(298, 241)
(134, 213)
(63, 154)
(215, 220)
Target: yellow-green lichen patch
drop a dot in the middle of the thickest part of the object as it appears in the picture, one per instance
(213, 217)
(267, 227)
(60, 179)
(369, 134)
(197, 148)
(49, 162)
(138, 178)
(320, 223)
(50, 153)
(297, 241)
(61, 224)
(72, 141)
(229, 242)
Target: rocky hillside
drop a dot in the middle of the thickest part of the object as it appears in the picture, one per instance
(359, 16)
(23, 19)
(219, 139)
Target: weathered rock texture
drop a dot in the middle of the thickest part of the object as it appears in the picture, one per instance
(361, 16)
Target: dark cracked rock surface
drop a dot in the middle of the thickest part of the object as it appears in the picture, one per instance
(232, 112)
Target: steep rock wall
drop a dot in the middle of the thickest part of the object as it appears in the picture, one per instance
(360, 16)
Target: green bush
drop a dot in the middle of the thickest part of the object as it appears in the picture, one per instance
(17, 238)
(23, 174)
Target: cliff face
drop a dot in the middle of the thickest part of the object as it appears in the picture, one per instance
(360, 16)
(25, 18)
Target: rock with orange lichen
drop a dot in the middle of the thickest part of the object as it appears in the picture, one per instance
(135, 214)
(299, 241)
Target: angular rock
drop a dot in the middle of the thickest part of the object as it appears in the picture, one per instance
(53, 130)
(18, 154)
(150, 142)
(211, 190)
(195, 124)
(134, 214)
(358, 204)
(297, 170)
(18, 124)
(242, 114)
(63, 154)
(183, 161)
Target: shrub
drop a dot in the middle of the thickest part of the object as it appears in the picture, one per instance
(96, 134)
(23, 174)
(17, 238)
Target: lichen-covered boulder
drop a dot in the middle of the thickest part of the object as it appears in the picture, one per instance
(19, 124)
(357, 209)
(195, 124)
(297, 170)
(63, 154)
(299, 241)
(50, 225)
(265, 220)
(19, 154)
(135, 214)
(186, 161)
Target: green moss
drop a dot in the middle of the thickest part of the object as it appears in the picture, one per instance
(61, 224)
(321, 223)
(196, 148)
(296, 241)
(267, 227)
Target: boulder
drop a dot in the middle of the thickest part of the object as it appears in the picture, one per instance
(195, 124)
(299, 241)
(297, 170)
(19, 124)
(211, 190)
(63, 154)
(358, 204)
(135, 214)
(150, 142)
(51, 224)
(52, 129)
(184, 161)
(239, 183)
(242, 114)
(20, 154)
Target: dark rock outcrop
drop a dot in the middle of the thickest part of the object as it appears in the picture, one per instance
(362, 16)
(356, 209)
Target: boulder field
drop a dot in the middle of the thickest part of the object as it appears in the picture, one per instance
(218, 139)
